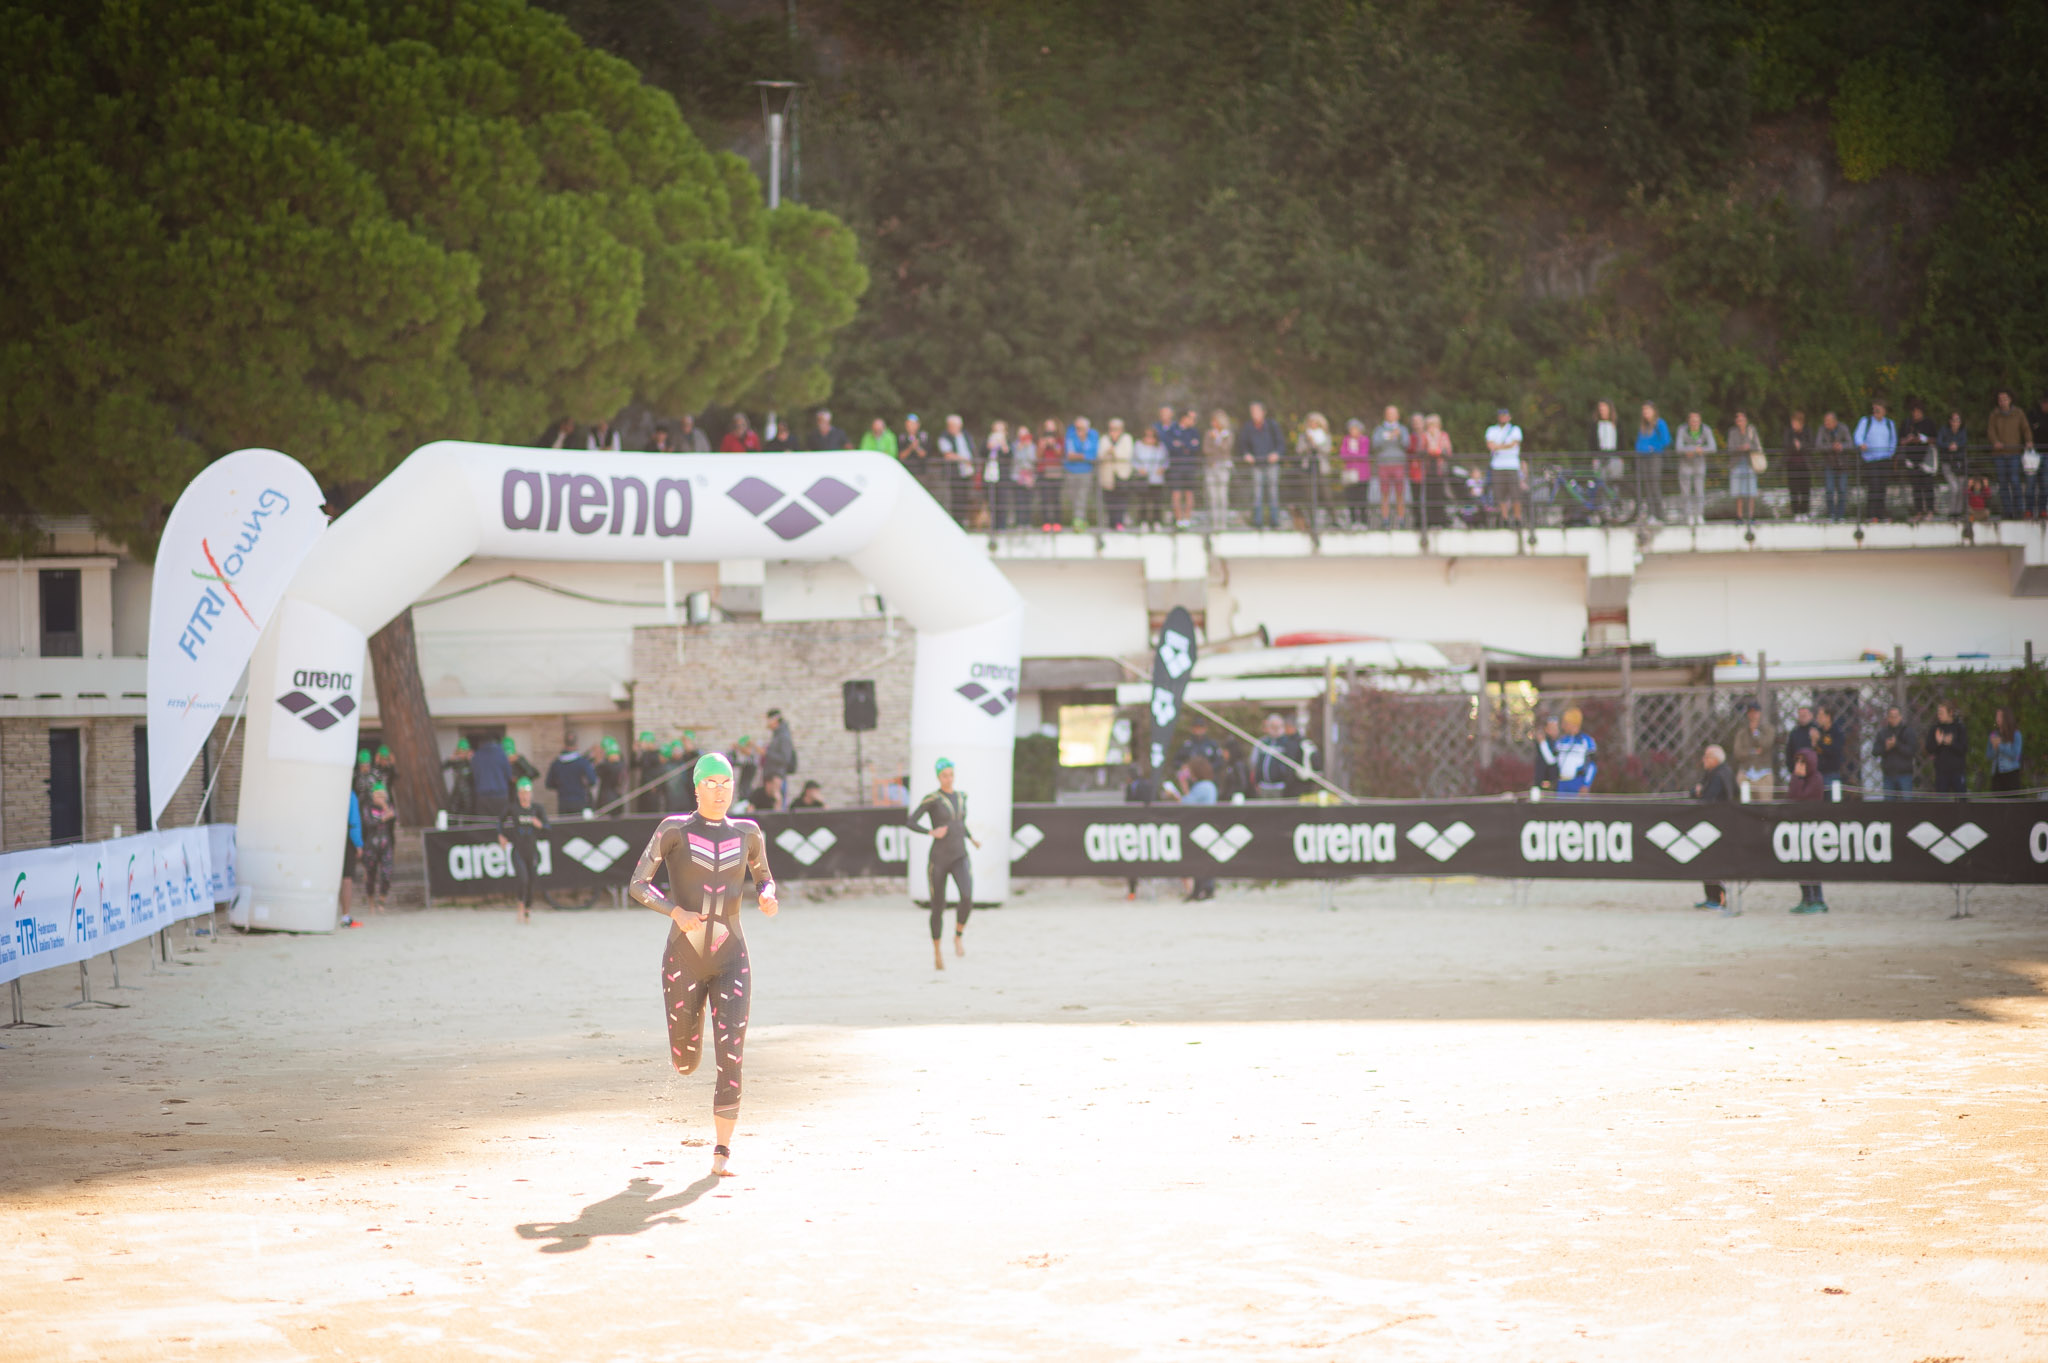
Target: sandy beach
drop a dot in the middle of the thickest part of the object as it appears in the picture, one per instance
(1422, 1124)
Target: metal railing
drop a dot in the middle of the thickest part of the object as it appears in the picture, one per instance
(1581, 487)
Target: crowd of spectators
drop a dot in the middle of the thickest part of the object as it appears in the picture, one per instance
(1822, 744)
(1184, 471)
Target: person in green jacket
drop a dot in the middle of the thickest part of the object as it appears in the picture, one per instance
(879, 438)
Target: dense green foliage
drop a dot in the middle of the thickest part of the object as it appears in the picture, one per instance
(1334, 203)
(344, 228)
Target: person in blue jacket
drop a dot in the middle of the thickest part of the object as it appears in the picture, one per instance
(572, 777)
(1653, 438)
(1575, 750)
(350, 850)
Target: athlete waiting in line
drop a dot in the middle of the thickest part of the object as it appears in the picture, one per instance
(945, 809)
(705, 963)
(519, 828)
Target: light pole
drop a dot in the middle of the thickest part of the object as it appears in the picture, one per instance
(778, 109)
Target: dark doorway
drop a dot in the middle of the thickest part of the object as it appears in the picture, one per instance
(142, 777)
(62, 635)
(67, 786)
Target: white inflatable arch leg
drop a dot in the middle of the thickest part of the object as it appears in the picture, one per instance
(451, 500)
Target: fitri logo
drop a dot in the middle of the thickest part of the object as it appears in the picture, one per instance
(308, 709)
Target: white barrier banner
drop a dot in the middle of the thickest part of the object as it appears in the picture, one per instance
(238, 533)
(40, 887)
(220, 864)
(72, 903)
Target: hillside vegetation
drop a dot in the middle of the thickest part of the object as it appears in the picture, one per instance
(1336, 203)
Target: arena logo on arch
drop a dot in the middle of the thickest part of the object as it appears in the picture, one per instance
(981, 688)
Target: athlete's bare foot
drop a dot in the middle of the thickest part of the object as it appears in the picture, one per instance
(718, 1158)
(523, 916)
(938, 957)
(959, 945)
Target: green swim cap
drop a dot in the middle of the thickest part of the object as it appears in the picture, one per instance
(462, 745)
(672, 750)
(383, 750)
(362, 754)
(712, 764)
(943, 764)
(525, 784)
(745, 739)
(611, 744)
(378, 789)
(507, 744)
(646, 736)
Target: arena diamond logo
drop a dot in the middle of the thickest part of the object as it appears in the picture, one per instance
(308, 709)
(1945, 847)
(806, 850)
(795, 515)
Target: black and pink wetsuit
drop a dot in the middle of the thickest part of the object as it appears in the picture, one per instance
(708, 863)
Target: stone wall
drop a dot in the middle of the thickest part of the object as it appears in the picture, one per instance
(108, 757)
(731, 673)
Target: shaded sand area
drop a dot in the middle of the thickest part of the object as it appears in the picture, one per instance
(1425, 1125)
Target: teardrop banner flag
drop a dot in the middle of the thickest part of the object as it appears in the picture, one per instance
(239, 532)
(1172, 665)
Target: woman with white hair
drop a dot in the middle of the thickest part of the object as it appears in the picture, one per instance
(1716, 786)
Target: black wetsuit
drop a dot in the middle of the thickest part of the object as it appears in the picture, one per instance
(522, 828)
(707, 868)
(949, 859)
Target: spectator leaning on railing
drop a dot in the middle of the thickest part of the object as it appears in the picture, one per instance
(1694, 442)
(1877, 440)
(1746, 459)
(1653, 438)
(1083, 500)
(2010, 437)
(1504, 446)
(1219, 452)
(1797, 452)
(1260, 445)
(1952, 446)
(1897, 750)
(1917, 459)
(1836, 451)
(1948, 744)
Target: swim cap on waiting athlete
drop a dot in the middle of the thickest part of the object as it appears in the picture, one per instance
(712, 764)
(611, 745)
(672, 750)
(525, 784)
(646, 736)
(377, 789)
(462, 745)
(362, 754)
(507, 744)
(383, 750)
(943, 764)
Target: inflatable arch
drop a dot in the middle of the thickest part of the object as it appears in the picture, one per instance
(451, 500)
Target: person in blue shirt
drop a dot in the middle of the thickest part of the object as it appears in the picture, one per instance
(1877, 440)
(2004, 750)
(1575, 750)
(1653, 438)
(1084, 447)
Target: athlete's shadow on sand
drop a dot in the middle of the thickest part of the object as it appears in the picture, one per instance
(623, 1213)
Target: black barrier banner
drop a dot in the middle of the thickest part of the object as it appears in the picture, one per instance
(1978, 842)
(590, 853)
(1172, 663)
